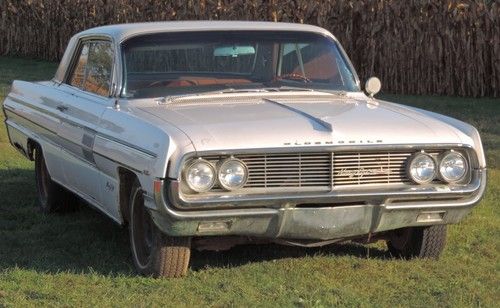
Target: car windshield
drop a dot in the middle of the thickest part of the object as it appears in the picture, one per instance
(168, 64)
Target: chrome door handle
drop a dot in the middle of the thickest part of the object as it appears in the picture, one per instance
(62, 108)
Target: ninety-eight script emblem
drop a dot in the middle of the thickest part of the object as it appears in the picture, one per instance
(361, 172)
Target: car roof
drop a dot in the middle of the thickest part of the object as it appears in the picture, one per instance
(121, 32)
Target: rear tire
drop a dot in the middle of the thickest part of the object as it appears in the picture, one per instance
(418, 242)
(154, 253)
(51, 196)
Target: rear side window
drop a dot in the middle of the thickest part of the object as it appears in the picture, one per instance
(93, 69)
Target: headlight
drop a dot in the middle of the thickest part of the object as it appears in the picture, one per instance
(200, 175)
(452, 167)
(422, 168)
(233, 174)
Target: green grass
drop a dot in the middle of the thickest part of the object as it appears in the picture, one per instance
(83, 258)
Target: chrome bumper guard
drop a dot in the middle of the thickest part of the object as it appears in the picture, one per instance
(326, 215)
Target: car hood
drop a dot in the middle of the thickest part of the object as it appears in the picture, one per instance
(272, 122)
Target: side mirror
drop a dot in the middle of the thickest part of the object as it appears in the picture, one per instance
(372, 86)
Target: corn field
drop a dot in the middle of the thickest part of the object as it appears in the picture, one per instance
(446, 47)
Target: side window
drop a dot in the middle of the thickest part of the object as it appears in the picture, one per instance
(79, 73)
(99, 66)
(92, 73)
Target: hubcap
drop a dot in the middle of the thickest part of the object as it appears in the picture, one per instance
(142, 231)
(42, 181)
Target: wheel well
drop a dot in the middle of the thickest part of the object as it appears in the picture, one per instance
(127, 179)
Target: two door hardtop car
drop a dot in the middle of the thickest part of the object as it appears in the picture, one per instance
(209, 134)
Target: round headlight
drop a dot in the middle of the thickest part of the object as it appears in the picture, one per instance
(233, 174)
(200, 175)
(452, 167)
(422, 168)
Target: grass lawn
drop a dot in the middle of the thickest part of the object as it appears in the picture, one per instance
(83, 258)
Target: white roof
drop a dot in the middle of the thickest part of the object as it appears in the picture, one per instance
(121, 32)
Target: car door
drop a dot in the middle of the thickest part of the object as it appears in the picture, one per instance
(89, 85)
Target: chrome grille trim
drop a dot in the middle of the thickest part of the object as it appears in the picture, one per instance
(323, 170)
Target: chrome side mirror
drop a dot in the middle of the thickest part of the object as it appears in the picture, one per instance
(372, 86)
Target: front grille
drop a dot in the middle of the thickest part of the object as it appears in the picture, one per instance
(289, 170)
(323, 170)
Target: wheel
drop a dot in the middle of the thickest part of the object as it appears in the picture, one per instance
(51, 196)
(154, 253)
(418, 242)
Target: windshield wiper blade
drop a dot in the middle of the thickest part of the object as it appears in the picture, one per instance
(172, 98)
(232, 90)
(289, 88)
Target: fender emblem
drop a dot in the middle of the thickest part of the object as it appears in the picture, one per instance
(110, 186)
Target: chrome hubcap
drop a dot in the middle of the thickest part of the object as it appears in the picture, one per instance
(142, 231)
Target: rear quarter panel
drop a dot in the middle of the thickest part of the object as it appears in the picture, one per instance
(31, 113)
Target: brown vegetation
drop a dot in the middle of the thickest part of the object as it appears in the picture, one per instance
(415, 46)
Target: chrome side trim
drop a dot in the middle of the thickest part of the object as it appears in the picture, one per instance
(127, 144)
(118, 163)
(98, 134)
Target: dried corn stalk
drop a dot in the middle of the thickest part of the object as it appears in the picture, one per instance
(445, 47)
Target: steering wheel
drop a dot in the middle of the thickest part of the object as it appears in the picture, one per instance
(165, 83)
(294, 76)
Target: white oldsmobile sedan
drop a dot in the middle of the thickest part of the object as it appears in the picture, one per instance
(211, 134)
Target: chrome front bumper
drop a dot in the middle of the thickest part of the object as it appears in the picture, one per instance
(326, 216)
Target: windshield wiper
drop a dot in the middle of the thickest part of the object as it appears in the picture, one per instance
(258, 90)
(289, 88)
(171, 98)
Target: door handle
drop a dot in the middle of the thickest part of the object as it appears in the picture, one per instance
(62, 108)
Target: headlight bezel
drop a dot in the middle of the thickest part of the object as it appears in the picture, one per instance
(409, 168)
(220, 167)
(466, 167)
(190, 165)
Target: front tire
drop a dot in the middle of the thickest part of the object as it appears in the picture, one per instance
(418, 242)
(51, 196)
(154, 253)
